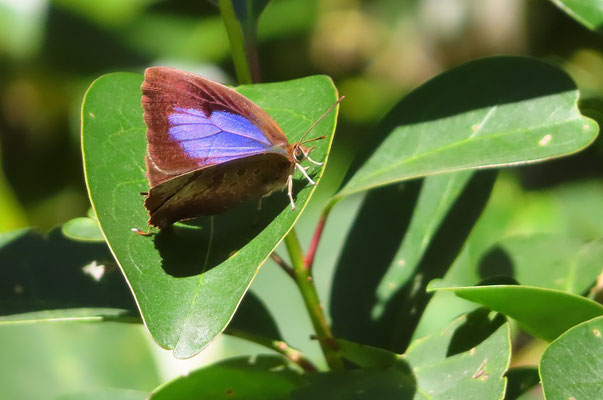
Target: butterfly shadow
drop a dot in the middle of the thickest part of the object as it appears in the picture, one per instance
(194, 246)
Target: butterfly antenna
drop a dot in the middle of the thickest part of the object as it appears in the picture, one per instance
(301, 140)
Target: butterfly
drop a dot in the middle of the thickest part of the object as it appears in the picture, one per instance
(209, 148)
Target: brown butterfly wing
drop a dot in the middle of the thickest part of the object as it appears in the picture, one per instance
(212, 190)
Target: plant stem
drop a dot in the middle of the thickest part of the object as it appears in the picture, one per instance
(236, 38)
(303, 277)
(311, 254)
(286, 267)
(292, 354)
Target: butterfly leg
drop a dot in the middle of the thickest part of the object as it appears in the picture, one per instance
(303, 171)
(290, 191)
(314, 162)
(307, 155)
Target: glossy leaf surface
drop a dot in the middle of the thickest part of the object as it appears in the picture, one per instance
(492, 112)
(189, 279)
(571, 366)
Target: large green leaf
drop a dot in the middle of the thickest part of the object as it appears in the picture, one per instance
(402, 238)
(187, 293)
(76, 280)
(261, 378)
(492, 112)
(544, 313)
(572, 366)
(588, 12)
(466, 360)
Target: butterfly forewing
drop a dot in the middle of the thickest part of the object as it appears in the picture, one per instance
(193, 123)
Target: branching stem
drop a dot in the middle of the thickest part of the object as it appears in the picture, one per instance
(303, 277)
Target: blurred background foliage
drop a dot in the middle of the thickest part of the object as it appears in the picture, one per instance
(376, 51)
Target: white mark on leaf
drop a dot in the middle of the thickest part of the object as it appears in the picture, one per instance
(545, 140)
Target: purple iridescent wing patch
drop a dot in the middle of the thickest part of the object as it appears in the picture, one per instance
(218, 138)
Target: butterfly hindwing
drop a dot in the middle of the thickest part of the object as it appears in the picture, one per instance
(209, 191)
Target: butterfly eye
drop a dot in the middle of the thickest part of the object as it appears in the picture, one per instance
(299, 153)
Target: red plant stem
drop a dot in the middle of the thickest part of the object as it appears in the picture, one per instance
(313, 248)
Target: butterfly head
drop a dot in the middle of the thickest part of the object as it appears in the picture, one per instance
(300, 152)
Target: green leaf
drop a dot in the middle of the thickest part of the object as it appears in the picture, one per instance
(83, 229)
(544, 313)
(188, 280)
(587, 12)
(64, 358)
(549, 261)
(571, 209)
(487, 113)
(466, 360)
(405, 249)
(361, 384)
(366, 356)
(571, 366)
(70, 315)
(78, 280)
(262, 378)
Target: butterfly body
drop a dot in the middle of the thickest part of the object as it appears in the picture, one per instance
(209, 147)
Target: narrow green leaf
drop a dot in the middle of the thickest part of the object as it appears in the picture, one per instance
(188, 280)
(405, 249)
(544, 313)
(52, 277)
(261, 378)
(71, 315)
(587, 12)
(83, 229)
(487, 113)
(572, 366)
